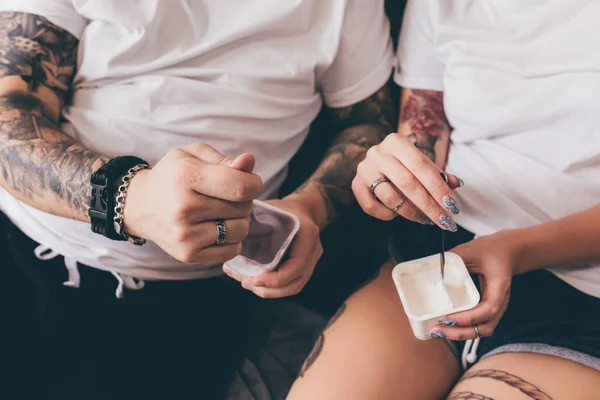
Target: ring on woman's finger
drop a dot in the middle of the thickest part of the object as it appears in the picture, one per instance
(478, 335)
(377, 182)
(397, 206)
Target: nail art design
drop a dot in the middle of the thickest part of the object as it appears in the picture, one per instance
(461, 183)
(448, 223)
(428, 221)
(450, 204)
(447, 322)
(435, 335)
(444, 177)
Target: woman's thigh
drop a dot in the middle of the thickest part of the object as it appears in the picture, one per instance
(368, 351)
(527, 376)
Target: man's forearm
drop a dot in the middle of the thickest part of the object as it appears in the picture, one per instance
(40, 165)
(569, 241)
(362, 126)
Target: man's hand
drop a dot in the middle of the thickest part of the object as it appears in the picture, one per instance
(291, 277)
(176, 203)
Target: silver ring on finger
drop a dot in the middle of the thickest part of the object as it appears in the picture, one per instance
(221, 232)
(377, 182)
(397, 206)
(477, 334)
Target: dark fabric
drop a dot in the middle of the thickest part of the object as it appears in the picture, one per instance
(179, 340)
(356, 245)
(542, 309)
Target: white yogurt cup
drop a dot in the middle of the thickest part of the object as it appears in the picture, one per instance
(425, 299)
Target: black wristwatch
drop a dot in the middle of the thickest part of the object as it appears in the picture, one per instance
(105, 182)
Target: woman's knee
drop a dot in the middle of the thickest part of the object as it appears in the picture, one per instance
(368, 351)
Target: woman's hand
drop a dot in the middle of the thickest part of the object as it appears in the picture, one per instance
(493, 258)
(396, 178)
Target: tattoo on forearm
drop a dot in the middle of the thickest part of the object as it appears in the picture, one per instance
(362, 126)
(423, 111)
(528, 389)
(38, 51)
(36, 160)
(468, 396)
(318, 346)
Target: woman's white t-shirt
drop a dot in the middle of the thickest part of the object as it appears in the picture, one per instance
(521, 83)
(240, 75)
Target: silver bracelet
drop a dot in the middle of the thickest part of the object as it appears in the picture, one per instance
(120, 205)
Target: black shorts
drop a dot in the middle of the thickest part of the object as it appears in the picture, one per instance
(545, 315)
(171, 340)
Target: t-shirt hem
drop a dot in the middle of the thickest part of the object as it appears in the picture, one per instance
(363, 88)
(418, 82)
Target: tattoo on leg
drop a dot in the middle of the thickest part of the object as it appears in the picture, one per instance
(316, 351)
(526, 388)
(336, 316)
(370, 279)
(468, 396)
(312, 357)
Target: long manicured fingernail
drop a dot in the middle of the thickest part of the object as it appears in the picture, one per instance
(450, 204)
(444, 177)
(461, 183)
(428, 221)
(448, 223)
(447, 322)
(435, 335)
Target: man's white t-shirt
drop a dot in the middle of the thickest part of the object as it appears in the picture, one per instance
(240, 75)
(521, 80)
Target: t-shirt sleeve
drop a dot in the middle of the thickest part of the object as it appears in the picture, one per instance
(364, 60)
(417, 65)
(61, 13)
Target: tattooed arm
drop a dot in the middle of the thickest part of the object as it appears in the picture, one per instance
(39, 164)
(361, 126)
(423, 121)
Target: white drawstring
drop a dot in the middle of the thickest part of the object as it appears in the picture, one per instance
(74, 277)
(46, 253)
(469, 355)
(126, 282)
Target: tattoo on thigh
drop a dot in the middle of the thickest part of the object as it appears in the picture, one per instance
(312, 357)
(526, 388)
(318, 347)
(370, 279)
(336, 316)
(468, 396)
